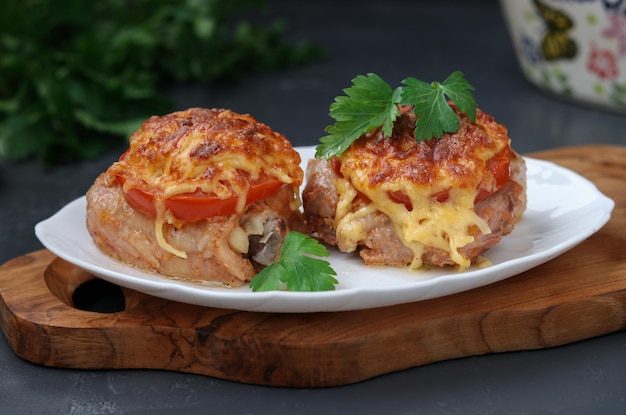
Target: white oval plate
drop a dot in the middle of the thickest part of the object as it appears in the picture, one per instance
(563, 210)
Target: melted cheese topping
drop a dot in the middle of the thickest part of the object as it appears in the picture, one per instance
(218, 152)
(454, 165)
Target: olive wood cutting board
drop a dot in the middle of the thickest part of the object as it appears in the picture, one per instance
(578, 295)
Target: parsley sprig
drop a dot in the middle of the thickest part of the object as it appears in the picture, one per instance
(371, 103)
(296, 270)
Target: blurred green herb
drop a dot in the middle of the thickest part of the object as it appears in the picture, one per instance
(79, 76)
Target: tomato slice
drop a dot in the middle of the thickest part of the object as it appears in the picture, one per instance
(499, 165)
(335, 164)
(401, 197)
(192, 207)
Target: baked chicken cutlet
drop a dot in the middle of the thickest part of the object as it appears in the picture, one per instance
(407, 203)
(205, 195)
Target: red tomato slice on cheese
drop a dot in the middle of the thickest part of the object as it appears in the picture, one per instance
(499, 165)
(192, 207)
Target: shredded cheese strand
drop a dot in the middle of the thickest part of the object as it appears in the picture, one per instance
(438, 225)
(158, 230)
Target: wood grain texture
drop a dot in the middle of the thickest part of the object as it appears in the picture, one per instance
(578, 295)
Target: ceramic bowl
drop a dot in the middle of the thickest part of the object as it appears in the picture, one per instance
(575, 49)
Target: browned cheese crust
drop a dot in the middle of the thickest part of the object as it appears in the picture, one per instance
(217, 151)
(221, 153)
(405, 203)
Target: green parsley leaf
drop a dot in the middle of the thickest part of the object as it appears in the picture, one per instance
(459, 91)
(429, 102)
(296, 270)
(371, 103)
(368, 104)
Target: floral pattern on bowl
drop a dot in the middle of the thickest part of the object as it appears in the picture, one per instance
(572, 48)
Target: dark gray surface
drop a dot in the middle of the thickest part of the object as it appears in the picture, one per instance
(395, 39)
